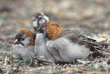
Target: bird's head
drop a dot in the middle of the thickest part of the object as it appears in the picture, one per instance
(39, 20)
(24, 38)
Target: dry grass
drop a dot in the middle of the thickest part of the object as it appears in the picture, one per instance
(9, 64)
(87, 17)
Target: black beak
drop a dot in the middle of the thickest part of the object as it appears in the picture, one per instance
(16, 43)
(38, 29)
(19, 43)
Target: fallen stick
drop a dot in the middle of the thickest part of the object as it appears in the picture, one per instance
(103, 53)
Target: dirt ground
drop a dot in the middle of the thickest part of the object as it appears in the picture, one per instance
(87, 17)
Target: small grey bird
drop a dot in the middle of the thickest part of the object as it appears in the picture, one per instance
(62, 49)
(68, 45)
(24, 44)
(39, 20)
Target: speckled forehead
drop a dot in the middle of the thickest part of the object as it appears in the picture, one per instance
(19, 35)
(36, 15)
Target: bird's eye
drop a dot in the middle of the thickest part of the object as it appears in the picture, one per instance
(22, 39)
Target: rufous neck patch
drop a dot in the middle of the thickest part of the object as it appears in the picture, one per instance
(54, 29)
(29, 33)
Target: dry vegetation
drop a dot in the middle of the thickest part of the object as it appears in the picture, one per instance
(87, 17)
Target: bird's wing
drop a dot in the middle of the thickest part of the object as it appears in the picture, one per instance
(80, 39)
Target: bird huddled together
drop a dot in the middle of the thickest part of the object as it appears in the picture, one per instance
(51, 41)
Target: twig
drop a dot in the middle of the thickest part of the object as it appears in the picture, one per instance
(84, 62)
(103, 53)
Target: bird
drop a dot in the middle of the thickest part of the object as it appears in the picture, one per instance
(24, 44)
(54, 50)
(66, 47)
(38, 19)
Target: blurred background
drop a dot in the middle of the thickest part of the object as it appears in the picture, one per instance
(88, 17)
